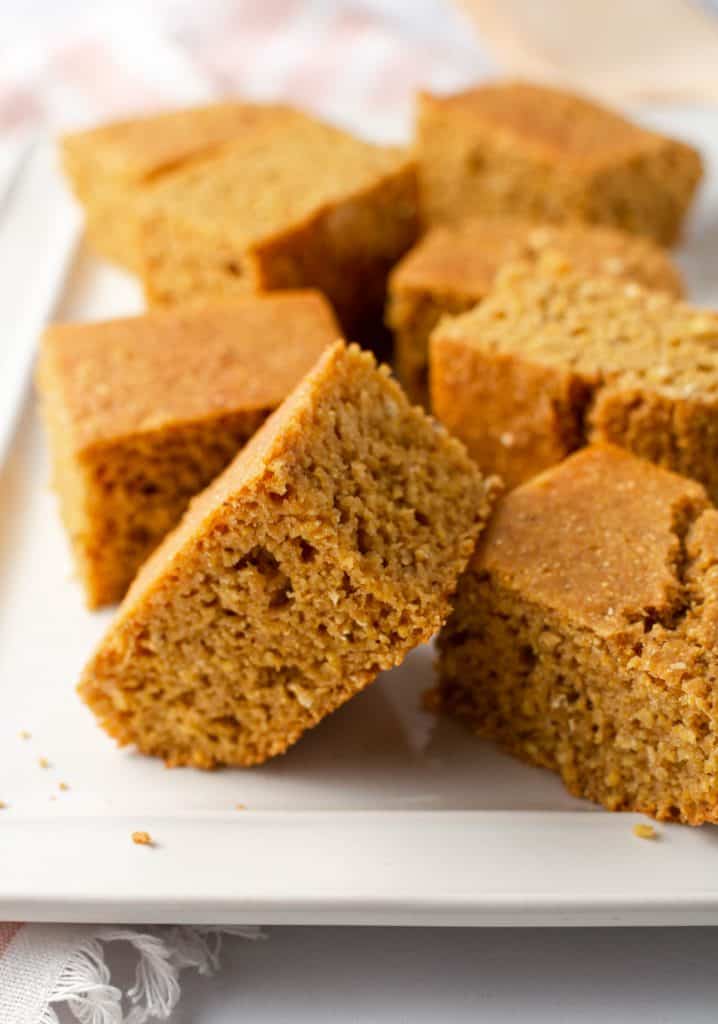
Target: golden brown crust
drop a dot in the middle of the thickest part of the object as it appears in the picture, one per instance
(143, 412)
(527, 150)
(556, 123)
(111, 167)
(328, 549)
(140, 149)
(146, 373)
(339, 213)
(551, 359)
(584, 632)
(595, 540)
(452, 268)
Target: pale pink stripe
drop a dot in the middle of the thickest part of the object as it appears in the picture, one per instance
(248, 15)
(8, 931)
(230, 48)
(19, 106)
(401, 75)
(91, 67)
(318, 68)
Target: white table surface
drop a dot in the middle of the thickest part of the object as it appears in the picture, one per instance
(451, 976)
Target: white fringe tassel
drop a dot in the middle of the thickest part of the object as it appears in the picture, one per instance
(84, 984)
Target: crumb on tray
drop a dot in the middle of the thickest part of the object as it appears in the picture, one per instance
(645, 831)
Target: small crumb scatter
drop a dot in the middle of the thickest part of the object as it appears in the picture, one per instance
(43, 762)
(64, 787)
(644, 831)
(25, 735)
(142, 839)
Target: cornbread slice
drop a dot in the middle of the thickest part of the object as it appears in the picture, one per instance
(326, 551)
(530, 151)
(111, 167)
(303, 204)
(452, 268)
(585, 632)
(142, 413)
(552, 359)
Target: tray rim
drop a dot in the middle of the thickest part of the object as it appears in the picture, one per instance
(480, 867)
(438, 868)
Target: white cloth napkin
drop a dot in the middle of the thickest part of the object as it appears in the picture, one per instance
(45, 965)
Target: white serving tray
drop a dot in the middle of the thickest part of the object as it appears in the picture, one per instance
(381, 815)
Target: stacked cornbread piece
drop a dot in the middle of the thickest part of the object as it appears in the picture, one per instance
(453, 268)
(144, 412)
(237, 198)
(291, 525)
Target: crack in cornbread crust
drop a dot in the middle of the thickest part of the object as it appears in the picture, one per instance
(338, 215)
(112, 166)
(142, 413)
(322, 555)
(552, 359)
(584, 630)
(526, 150)
(451, 269)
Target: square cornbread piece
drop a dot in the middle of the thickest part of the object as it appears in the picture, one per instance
(527, 150)
(142, 413)
(453, 267)
(585, 632)
(326, 551)
(302, 205)
(112, 167)
(552, 359)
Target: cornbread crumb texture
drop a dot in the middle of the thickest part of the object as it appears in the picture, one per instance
(111, 167)
(142, 839)
(453, 267)
(142, 413)
(584, 633)
(326, 551)
(552, 359)
(527, 150)
(301, 205)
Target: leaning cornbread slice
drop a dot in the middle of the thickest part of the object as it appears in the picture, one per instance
(327, 550)
(552, 359)
(452, 268)
(531, 151)
(111, 167)
(303, 205)
(142, 413)
(585, 632)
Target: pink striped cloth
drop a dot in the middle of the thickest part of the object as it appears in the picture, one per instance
(347, 62)
(342, 60)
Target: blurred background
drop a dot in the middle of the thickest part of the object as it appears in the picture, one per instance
(71, 63)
